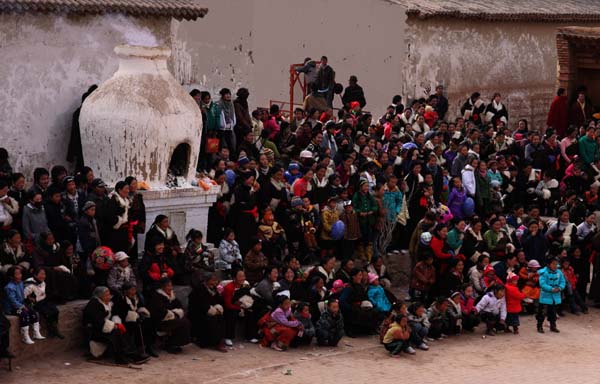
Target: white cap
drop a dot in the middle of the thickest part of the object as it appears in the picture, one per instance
(306, 154)
(120, 256)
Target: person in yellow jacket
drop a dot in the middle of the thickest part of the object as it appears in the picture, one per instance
(397, 337)
(329, 216)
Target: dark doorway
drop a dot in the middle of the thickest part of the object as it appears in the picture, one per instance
(180, 160)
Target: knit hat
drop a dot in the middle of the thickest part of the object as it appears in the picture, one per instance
(372, 277)
(338, 285)
(296, 202)
(533, 264)
(98, 183)
(88, 205)
(243, 160)
(489, 269)
(293, 167)
(426, 238)
(67, 180)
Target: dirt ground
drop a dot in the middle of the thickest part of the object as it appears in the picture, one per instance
(568, 357)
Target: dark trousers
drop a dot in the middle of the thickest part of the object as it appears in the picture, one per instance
(396, 346)
(249, 320)
(492, 321)
(546, 311)
(228, 140)
(470, 321)
(328, 339)
(347, 249)
(576, 302)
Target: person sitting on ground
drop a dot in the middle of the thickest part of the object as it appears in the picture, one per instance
(168, 316)
(238, 305)
(302, 314)
(105, 330)
(35, 287)
(330, 327)
(205, 311)
(492, 309)
(279, 326)
(128, 305)
(397, 337)
(467, 306)
(377, 295)
(419, 325)
(438, 318)
(359, 316)
(454, 315)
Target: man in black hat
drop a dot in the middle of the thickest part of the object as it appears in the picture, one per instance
(354, 92)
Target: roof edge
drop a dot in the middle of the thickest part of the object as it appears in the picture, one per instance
(506, 17)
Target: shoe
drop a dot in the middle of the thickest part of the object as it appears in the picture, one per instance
(516, 330)
(25, 336)
(540, 329)
(507, 330)
(429, 339)
(140, 359)
(276, 347)
(36, 332)
(577, 313)
(253, 340)
(228, 342)
(585, 311)
(443, 336)
(490, 332)
(410, 350)
(554, 329)
(151, 351)
(174, 350)
(423, 347)
(221, 347)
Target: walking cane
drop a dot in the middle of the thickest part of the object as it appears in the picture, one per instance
(141, 337)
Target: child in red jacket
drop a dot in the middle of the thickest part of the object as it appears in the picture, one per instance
(514, 297)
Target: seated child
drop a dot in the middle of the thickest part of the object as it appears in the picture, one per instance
(330, 327)
(576, 303)
(15, 303)
(514, 297)
(436, 314)
(377, 295)
(419, 325)
(302, 314)
(467, 306)
(492, 309)
(280, 327)
(397, 337)
(454, 314)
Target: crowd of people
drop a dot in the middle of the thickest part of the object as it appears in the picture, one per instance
(497, 217)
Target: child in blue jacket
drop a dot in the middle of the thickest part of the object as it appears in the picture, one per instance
(552, 282)
(377, 295)
(15, 303)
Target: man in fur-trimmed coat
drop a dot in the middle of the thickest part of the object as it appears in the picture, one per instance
(105, 329)
(168, 316)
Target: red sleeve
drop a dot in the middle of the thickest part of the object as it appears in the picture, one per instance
(228, 297)
(170, 272)
(154, 272)
(437, 246)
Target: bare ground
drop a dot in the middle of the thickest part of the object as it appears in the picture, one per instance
(568, 357)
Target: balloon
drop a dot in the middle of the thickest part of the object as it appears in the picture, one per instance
(468, 207)
(337, 230)
(230, 177)
(102, 258)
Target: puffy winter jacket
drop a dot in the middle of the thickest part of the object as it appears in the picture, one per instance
(549, 280)
(490, 304)
(513, 299)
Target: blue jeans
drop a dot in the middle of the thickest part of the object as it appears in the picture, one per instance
(418, 334)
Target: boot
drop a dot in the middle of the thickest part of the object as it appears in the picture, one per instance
(540, 328)
(553, 328)
(516, 330)
(36, 332)
(369, 252)
(25, 336)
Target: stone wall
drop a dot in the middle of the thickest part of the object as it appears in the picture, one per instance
(519, 60)
(252, 43)
(48, 62)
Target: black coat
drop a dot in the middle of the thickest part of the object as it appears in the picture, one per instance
(208, 330)
(89, 235)
(354, 93)
(94, 318)
(178, 327)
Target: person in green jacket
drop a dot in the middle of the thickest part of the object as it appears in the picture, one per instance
(588, 149)
(482, 188)
(365, 207)
(456, 235)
